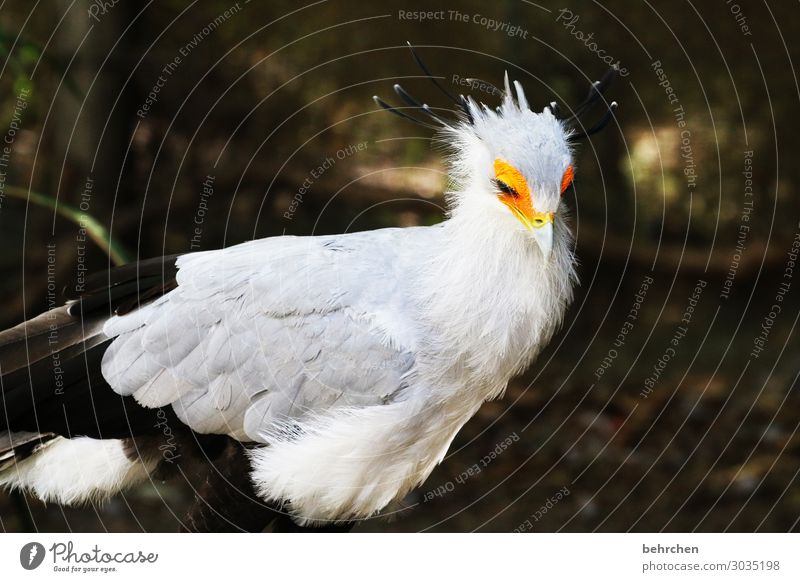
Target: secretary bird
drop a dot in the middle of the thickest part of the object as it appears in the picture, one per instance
(313, 380)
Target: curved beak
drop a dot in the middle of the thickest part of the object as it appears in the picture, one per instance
(543, 236)
(540, 225)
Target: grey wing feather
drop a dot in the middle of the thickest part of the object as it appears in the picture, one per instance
(262, 333)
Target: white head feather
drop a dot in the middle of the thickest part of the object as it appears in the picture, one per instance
(536, 144)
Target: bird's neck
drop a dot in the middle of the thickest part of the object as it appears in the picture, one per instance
(490, 294)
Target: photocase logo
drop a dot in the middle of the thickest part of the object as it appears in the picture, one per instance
(31, 555)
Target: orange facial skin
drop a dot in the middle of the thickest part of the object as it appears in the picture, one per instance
(518, 199)
(566, 180)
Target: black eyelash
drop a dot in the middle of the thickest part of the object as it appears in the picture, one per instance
(505, 188)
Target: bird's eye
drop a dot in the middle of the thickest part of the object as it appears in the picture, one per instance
(505, 188)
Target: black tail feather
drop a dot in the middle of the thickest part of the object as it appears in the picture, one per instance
(50, 378)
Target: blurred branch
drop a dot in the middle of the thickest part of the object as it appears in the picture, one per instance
(96, 231)
(595, 242)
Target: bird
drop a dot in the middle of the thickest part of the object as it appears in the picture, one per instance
(305, 383)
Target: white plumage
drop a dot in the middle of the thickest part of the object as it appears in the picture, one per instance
(352, 361)
(74, 470)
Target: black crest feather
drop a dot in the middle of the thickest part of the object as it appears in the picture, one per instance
(595, 95)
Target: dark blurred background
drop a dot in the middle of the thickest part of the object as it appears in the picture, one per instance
(175, 126)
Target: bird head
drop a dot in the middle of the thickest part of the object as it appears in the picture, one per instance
(512, 164)
(509, 164)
